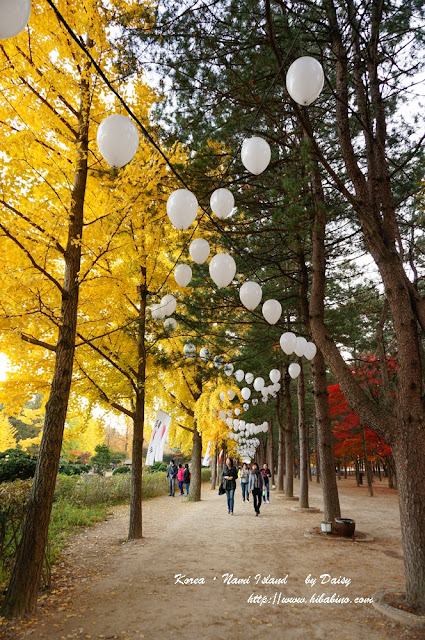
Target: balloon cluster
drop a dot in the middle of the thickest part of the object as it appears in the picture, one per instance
(290, 343)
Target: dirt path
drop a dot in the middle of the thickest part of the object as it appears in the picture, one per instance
(108, 588)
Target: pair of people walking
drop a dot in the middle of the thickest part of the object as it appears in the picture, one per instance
(182, 475)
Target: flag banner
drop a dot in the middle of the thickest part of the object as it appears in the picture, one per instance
(220, 457)
(165, 421)
(155, 439)
(206, 461)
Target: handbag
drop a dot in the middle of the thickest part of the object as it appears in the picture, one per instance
(221, 490)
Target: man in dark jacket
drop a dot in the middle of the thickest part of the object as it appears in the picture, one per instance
(172, 475)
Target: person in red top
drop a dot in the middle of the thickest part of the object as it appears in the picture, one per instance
(266, 473)
(180, 474)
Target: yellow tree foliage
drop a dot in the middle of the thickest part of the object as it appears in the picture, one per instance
(82, 435)
(7, 433)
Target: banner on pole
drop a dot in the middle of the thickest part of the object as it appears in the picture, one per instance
(206, 461)
(158, 437)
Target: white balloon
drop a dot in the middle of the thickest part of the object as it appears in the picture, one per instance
(229, 413)
(182, 208)
(228, 369)
(288, 341)
(14, 17)
(183, 275)
(264, 398)
(246, 393)
(168, 304)
(274, 375)
(294, 370)
(189, 350)
(254, 402)
(170, 324)
(218, 362)
(250, 294)
(310, 350)
(117, 140)
(305, 79)
(231, 436)
(255, 154)
(239, 375)
(236, 423)
(229, 422)
(222, 203)
(242, 424)
(157, 311)
(237, 411)
(258, 384)
(245, 406)
(222, 269)
(276, 387)
(231, 394)
(272, 310)
(300, 346)
(249, 377)
(222, 414)
(205, 354)
(265, 391)
(199, 250)
(221, 396)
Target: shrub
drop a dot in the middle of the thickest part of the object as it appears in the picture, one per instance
(15, 464)
(206, 474)
(122, 469)
(158, 466)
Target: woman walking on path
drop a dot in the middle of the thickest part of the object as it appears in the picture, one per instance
(180, 474)
(266, 475)
(244, 475)
(230, 473)
(256, 486)
(186, 478)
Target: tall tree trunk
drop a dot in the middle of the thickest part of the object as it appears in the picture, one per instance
(316, 449)
(303, 440)
(367, 466)
(135, 527)
(214, 468)
(289, 439)
(281, 448)
(21, 596)
(196, 467)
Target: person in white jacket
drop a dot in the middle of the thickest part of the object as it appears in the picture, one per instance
(256, 486)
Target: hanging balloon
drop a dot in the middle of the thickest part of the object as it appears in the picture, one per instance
(199, 250)
(304, 80)
(189, 350)
(117, 140)
(258, 384)
(183, 275)
(14, 17)
(288, 342)
(250, 294)
(218, 362)
(310, 350)
(229, 422)
(228, 369)
(229, 413)
(255, 154)
(245, 406)
(272, 310)
(264, 398)
(236, 423)
(254, 402)
(242, 424)
(222, 414)
(205, 354)
(237, 411)
(222, 203)
(300, 346)
(265, 391)
(168, 304)
(246, 393)
(294, 370)
(157, 312)
(231, 394)
(222, 269)
(249, 377)
(170, 324)
(221, 396)
(276, 387)
(182, 208)
(239, 375)
(274, 375)
(231, 436)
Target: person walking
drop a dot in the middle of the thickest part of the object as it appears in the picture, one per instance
(171, 475)
(180, 474)
(266, 475)
(256, 486)
(230, 473)
(186, 477)
(244, 476)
